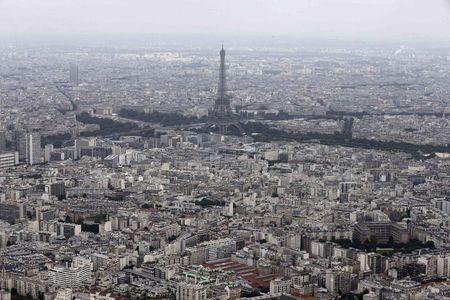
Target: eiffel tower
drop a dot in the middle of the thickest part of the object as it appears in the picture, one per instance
(221, 115)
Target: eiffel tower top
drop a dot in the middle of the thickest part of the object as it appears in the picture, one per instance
(222, 97)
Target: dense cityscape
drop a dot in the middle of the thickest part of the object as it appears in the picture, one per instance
(237, 171)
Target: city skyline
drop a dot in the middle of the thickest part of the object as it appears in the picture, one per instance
(232, 150)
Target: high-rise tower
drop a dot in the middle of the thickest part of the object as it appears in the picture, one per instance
(221, 115)
(28, 144)
(74, 79)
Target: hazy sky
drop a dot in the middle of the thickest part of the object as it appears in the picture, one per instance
(408, 19)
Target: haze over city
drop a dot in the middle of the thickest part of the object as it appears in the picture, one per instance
(235, 149)
(361, 19)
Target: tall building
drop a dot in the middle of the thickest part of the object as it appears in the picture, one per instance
(11, 212)
(74, 74)
(430, 262)
(221, 115)
(57, 189)
(73, 276)
(8, 159)
(48, 149)
(280, 286)
(68, 230)
(2, 140)
(33, 148)
(443, 265)
(19, 137)
(28, 144)
(382, 231)
(218, 249)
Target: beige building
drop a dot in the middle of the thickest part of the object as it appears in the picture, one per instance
(186, 291)
(5, 295)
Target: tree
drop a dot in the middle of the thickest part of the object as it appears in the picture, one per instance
(367, 245)
(373, 240)
(251, 294)
(146, 206)
(94, 228)
(100, 218)
(165, 119)
(430, 245)
(107, 126)
(205, 202)
(356, 243)
(391, 240)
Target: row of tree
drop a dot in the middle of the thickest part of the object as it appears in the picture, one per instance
(107, 126)
(266, 133)
(165, 119)
(372, 244)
